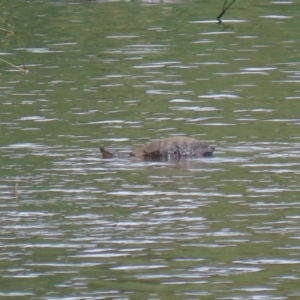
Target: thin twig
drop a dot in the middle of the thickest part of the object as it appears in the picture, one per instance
(23, 70)
(21, 54)
(9, 31)
(224, 10)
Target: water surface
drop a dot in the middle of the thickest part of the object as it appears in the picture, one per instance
(120, 74)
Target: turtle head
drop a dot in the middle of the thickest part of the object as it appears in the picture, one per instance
(107, 153)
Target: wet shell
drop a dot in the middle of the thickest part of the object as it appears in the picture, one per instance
(178, 146)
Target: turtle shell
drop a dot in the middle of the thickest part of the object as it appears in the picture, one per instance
(176, 146)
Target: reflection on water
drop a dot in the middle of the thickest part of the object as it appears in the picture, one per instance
(76, 226)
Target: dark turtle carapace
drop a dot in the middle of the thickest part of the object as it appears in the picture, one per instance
(172, 147)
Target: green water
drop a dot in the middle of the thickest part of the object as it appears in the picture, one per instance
(120, 74)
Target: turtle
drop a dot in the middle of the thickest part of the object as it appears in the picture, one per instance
(168, 148)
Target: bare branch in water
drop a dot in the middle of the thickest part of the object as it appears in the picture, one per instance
(12, 32)
(23, 70)
(224, 10)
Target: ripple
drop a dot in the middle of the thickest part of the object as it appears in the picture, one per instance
(180, 101)
(101, 255)
(42, 50)
(217, 22)
(219, 96)
(268, 262)
(26, 146)
(161, 92)
(121, 36)
(154, 193)
(16, 294)
(194, 108)
(217, 32)
(230, 270)
(137, 267)
(276, 17)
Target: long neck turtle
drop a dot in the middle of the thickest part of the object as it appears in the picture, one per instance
(171, 147)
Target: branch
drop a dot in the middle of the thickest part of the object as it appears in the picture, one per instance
(224, 10)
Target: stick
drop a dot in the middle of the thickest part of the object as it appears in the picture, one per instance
(224, 10)
(20, 51)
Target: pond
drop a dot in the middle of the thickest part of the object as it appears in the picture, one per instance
(122, 74)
